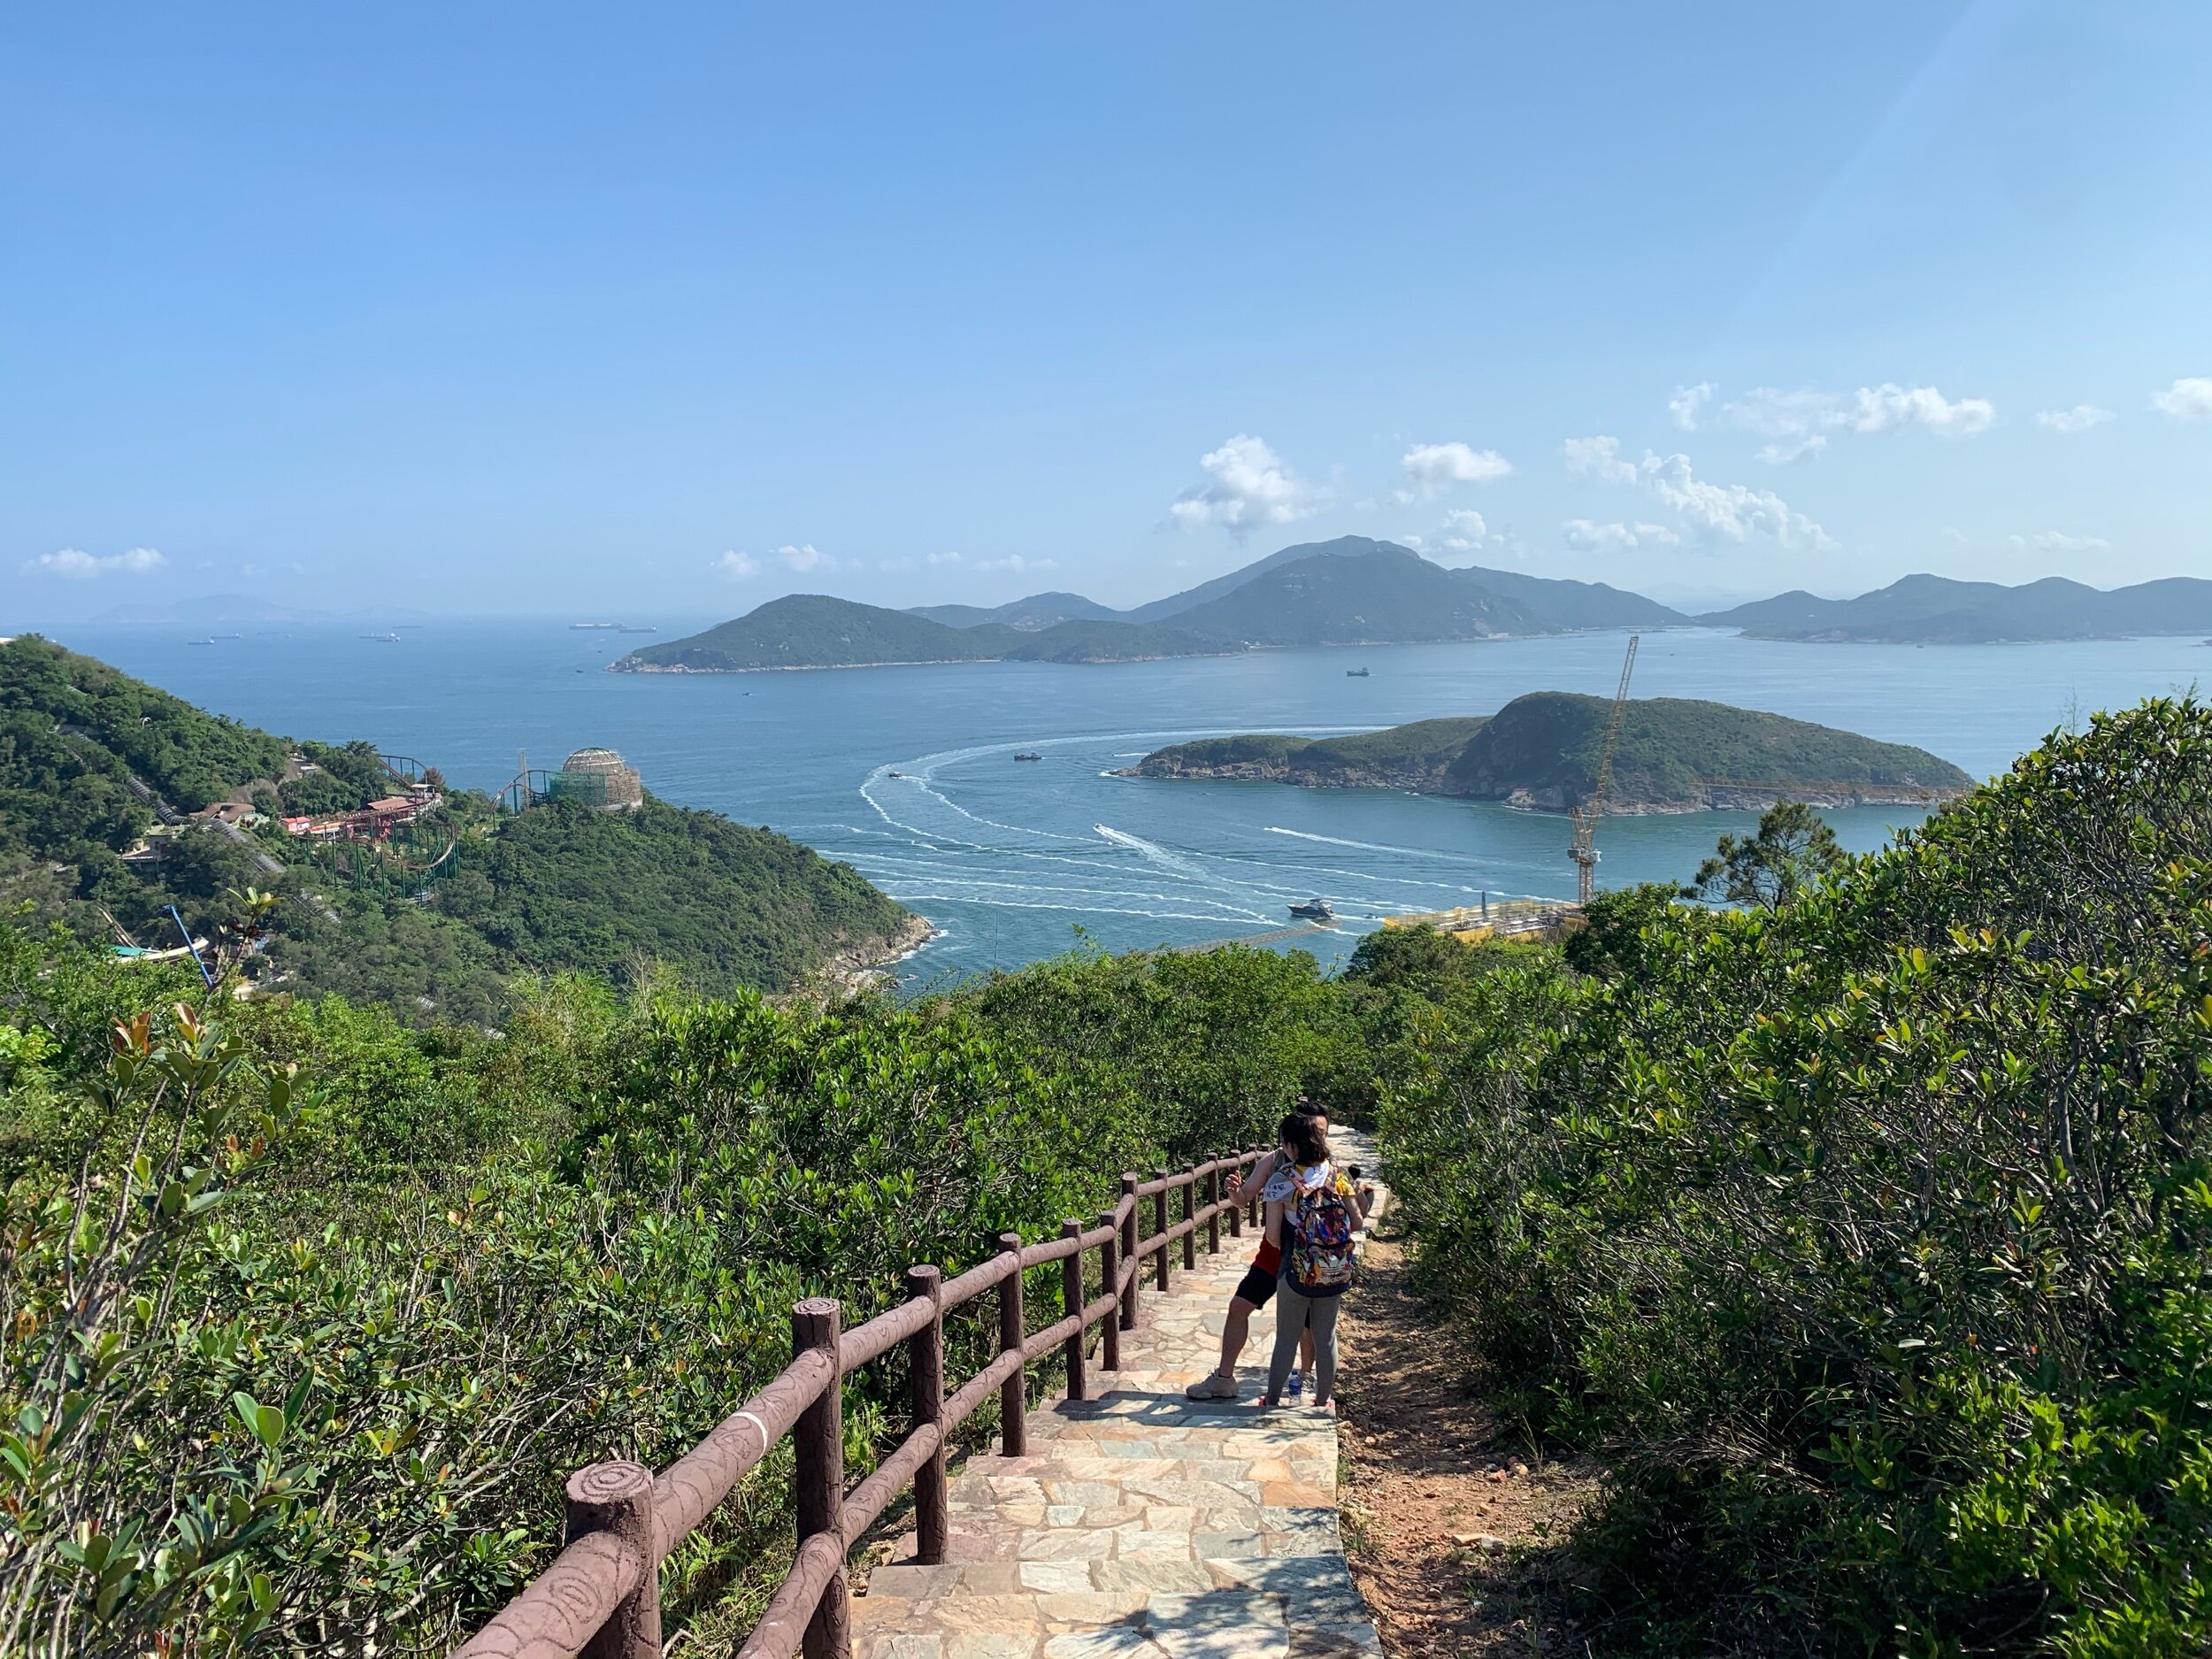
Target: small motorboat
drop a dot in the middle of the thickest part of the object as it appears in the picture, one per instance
(1314, 910)
(1356, 673)
(1029, 757)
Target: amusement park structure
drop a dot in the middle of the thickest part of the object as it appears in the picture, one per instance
(399, 839)
(1591, 807)
(598, 777)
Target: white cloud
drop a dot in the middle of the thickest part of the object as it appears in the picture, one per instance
(1016, 562)
(1464, 530)
(2187, 399)
(803, 557)
(1432, 468)
(942, 558)
(1251, 485)
(1886, 408)
(1687, 402)
(1783, 451)
(1418, 543)
(2059, 541)
(1600, 458)
(76, 565)
(1795, 420)
(1616, 538)
(2080, 417)
(1731, 512)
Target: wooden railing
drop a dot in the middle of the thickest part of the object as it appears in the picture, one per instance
(601, 1595)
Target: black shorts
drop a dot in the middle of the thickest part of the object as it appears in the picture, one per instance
(1255, 1287)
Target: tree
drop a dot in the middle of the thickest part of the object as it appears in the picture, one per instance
(1794, 848)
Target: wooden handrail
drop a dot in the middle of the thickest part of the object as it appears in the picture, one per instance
(600, 1596)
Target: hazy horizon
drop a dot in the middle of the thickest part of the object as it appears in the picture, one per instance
(1690, 601)
(561, 319)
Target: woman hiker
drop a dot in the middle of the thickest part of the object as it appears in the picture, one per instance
(1258, 1284)
(1314, 1212)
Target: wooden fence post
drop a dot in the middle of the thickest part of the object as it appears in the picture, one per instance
(1071, 1302)
(818, 1441)
(618, 1498)
(1236, 1206)
(926, 1361)
(1109, 1270)
(1013, 1393)
(1159, 1228)
(1213, 1208)
(1190, 1214)
(1129, 1256)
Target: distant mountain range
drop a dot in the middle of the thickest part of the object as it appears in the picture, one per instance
(1934, 609)
(1358, 591)
(1352, 591)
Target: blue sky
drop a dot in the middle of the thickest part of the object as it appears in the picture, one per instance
(562, 308)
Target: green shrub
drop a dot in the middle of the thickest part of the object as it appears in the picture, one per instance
(1871, 1236)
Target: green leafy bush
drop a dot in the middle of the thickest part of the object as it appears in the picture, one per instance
(1871, 1237)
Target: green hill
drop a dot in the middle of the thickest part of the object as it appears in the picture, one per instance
(1934, 609)
(810, 631)
(86, 751)
(1539, 604)
(90, 759)
(1038, 611)
(1415, 758)
(1679, 754)
(1094, 642)
(1540, 750)
(1390, 594)
(817, 631)
(728, 905)
(1565, 604)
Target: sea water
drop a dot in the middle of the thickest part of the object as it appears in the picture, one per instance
(909, 772)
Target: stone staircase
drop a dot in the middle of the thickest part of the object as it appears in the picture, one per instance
(1143, 1524)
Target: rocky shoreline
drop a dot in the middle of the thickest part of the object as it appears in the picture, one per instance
(1717, 798)
(865, 964)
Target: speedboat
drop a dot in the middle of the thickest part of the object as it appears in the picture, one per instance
(1029, 757)
(1314, 910)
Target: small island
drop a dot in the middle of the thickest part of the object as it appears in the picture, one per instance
(1540, 750)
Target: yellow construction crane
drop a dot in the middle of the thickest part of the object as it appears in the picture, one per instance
(1593, 805)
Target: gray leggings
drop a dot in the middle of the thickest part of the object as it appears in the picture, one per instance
(1293, 1313)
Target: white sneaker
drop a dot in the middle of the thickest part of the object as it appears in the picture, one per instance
(1212, 1385)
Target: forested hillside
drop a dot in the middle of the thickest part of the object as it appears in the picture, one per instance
(89, 757)
(1541, 749)
(817, 631)
(75, 734)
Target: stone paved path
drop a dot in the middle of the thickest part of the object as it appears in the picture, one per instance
(1143, 1524)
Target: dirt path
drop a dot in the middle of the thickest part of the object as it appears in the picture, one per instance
(1452, 1522)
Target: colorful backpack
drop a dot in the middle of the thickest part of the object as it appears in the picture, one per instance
(1317, 1236)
